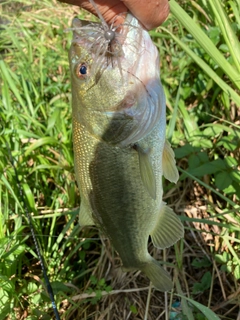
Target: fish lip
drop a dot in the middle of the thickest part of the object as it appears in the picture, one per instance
(91, 36)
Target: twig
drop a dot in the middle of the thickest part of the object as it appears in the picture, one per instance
(148, 301)
(220, 280)
(105, 293)
(165, 293)
(211, 289)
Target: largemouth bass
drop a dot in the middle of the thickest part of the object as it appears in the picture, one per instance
(120, 151)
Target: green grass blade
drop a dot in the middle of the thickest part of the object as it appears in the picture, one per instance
(8, 186)
(206, 311)
(185, 307)
(210, 222)
(225, 87)
(205, 43)
(29, 196)
(8, 77)
(173, 119)
(228, 33)
(27, 96)
(235, 10)
(41, 142)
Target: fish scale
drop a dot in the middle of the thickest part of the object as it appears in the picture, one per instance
(119, 128)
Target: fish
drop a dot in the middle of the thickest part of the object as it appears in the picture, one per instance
(120, 149)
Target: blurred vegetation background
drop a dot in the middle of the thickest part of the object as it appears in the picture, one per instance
(200, 71)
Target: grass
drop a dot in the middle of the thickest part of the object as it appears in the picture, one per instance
(200, 73)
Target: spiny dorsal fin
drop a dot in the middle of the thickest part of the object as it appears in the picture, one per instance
(146, 170)
(170, 171)
(168, 229)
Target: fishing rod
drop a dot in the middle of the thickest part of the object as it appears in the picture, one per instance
(40, 257)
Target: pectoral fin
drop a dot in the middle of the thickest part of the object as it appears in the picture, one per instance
(85, 216)
(168, 229)
(146, 171)
(170, 171)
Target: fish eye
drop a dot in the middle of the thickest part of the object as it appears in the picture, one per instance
(82, 70)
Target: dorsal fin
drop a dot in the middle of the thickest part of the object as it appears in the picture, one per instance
(170, 171)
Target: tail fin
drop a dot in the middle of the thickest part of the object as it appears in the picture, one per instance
(159, 277)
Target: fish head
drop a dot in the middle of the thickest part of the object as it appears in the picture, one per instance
(115, 80)
(96, 81)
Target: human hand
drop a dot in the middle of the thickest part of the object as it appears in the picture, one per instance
(151, 13)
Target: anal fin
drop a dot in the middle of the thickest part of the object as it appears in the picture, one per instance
(168, 229)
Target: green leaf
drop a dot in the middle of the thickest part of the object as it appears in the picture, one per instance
(204, 284)
(101, 282)
(108, 288)
(133, 309)
(206, 168)
(31, 287)
(223, 180)
(237, 272)
(203, 143)
(201, 263)
(58, 286)
(235, 175)
(214, 34)
(94, 280)
(186, 150)
(222, 258)
(231, 162)
(212, 131)
(6, 284)
(36, 298)
(230, 142)
(193, 161)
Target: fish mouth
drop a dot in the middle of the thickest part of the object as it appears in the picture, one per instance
(109, 48)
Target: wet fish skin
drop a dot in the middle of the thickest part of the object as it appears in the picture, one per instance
(119, 147)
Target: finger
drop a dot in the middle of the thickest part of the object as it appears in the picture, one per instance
(151, 13)
(108, 8)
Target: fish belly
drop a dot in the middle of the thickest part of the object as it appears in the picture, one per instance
(112, 190)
